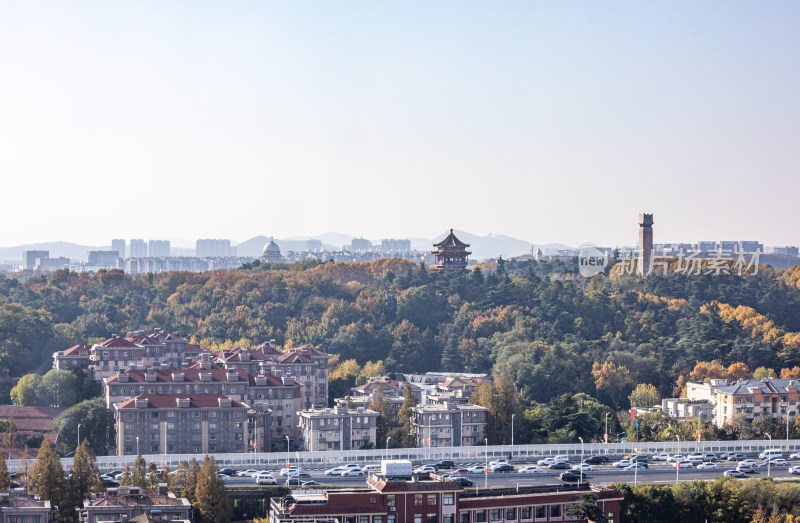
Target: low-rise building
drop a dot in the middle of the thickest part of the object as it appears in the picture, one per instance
(437, 500)
(775, 398)
(16, 507)
(339, 428)
(125, 385)
(75, 357)
(127, 503)
(184, 424)
(449, 425)
(682, 409)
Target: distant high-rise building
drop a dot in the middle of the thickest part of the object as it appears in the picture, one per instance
(159, 249)
(360, 244)
(395, 245)
(645, 244)
(752, 246)
(29, 258)
(214, 248)
(107, 258)
(138, 248)
(706, 246)
(119, 246)
(314, 245)
(787, 251)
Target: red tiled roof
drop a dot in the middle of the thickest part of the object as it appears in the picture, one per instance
(168, 401)
(291, 357)
(313, 350)
(117, 342)
(31, 419)
(77, 350)
(255, 354)
(190, 375)
(320, 509)
(381, 485)
(272, 380)
(268, 349)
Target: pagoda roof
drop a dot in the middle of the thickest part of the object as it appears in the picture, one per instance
(451, 242)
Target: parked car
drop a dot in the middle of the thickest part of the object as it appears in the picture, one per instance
(621, 463)
(265, 479)
(444, 464)
(707, 465)
(582, 466)
(794, 470)
(747, 469)
(477, 469)
(559, 465)
(734, 474)
(246, 473)
(464, 482)
(596, 460)
(684, 464)
(569, 476)
(530, 469)
(735, 457)
(502, 467)
(661, 457)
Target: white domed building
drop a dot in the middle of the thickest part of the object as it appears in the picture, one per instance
(271, 252)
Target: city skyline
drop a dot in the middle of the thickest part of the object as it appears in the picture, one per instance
(542, 121)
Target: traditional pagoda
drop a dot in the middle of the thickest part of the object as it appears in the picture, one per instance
(451, 253)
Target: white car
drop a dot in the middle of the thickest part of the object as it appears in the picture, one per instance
(529, 469)
(545, 462)
(795, 455)
(776, 462)
(498, 462)
(747, 463)
(661, 457)
(621, 463)
(265, 478)
(246, 473)
(353, 472)
(794, 470)
(684, 464)
(696, 458)
(582, 467)
(424, 469)
(707, 465)
(288, 471)
(477, 469)
(676, 457)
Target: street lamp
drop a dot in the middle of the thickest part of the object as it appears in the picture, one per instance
(678, 463)
(769, 459)
(486, 466)
(79, 434)
(137, 445)
(386, 454)
(288, 457)
(581, 464)
(512, 435)
(606, 434)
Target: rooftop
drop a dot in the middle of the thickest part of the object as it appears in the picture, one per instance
(170, 401)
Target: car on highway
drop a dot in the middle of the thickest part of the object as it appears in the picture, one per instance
(311, 483)
(708, 456)
(747, 462)
(559, 465)
(477, 469)
(675, 457)
(371, 469)
(498, 462)
(249, 473)
(696, 458)
(707, 465)
(683, 464)
(112, 473)
(641, 458)
(630, 456)
(350, 472)
(335, 471)
(636, 466)
(661, 457)
(775, 462)
(294, 482)
(582, 466)
(530, 469)
(502, 467)
(459, 472)
(569, 476)
(596, 460)
(464, 482)
(111, 482)
(424, 469)
(265, 478)
(747, 469)
(734, 474)
(735, 457)
(794, 470)
(546, 462)
(444, 464)
(226, 471)
(621, 463)
(794, 455)
(286, 471)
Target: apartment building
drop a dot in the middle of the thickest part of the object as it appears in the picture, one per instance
(776, 398)
(184, 424)
(449, 425)
(339, 428)
(18, 507)
(127, 503)
(124, 385)
(75, 357)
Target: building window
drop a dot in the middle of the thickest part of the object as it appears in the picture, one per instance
(525, 513)
(390, 500)
(431, 518)
(373, 500)
(463, 517)
(480, 516)
(432, 499)
(418, 499)
(555, 511)
(377, 519)
(511, 513)
(364, 519)
(448, 498)
(494, 514)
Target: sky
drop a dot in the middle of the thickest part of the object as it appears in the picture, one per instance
(549, 121)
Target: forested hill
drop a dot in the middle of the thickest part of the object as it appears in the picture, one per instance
(548, 325)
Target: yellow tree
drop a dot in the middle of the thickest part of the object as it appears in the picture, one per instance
(612, 379)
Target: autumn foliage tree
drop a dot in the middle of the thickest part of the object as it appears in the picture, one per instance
(612, 379)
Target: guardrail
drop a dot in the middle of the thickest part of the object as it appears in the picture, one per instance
(478, 453)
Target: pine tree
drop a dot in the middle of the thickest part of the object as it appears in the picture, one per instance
(152, 476)
(84, 480)
(405, 416)
(192, 471)
(5, 481)
(126, 476)
(139, 472)
(384, 409)
(211, 501)
(46, 475)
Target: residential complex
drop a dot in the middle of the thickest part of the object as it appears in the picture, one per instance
(18, 507)
(127, 503)
(449, 425)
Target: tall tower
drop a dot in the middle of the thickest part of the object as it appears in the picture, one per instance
(644, 266)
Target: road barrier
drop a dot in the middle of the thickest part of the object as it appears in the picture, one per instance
(477, 454)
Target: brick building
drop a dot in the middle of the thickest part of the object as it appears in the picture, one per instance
(75, 357)
(184, 424)
(439, 501)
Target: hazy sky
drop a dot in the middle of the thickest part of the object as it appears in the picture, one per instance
(548, 121)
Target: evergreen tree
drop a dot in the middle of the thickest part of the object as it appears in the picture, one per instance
(152, 476)
(211, 503)
(5, 480)
(587, 508)
(125, 481)
(84, 480)
(46, 475)
(139, 472)
(384, 422)
(190, 473)
(405, 416)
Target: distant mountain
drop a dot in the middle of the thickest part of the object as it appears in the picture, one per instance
(491, 246)
(255, 246)
(69, 250)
